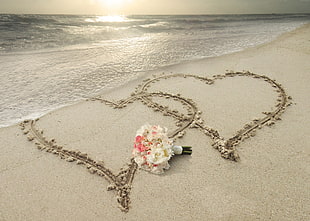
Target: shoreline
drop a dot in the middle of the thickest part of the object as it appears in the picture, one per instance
(146, 74)
(278, 38)
(265, 184)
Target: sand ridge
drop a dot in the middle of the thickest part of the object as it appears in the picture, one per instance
(121, 182)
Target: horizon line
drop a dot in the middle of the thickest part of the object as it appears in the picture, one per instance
(197, 14)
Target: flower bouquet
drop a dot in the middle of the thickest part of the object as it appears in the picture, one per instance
(153, 149)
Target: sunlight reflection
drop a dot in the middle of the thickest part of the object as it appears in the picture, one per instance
(108, 18)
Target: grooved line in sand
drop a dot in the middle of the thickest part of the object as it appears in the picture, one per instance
(122, 181)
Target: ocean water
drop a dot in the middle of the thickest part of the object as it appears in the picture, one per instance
(49, 61)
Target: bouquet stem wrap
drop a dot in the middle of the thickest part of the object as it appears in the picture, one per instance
(182, 150)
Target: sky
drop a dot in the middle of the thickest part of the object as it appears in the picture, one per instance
(127, 7)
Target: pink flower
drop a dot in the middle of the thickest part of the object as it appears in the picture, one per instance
(138, 144)
(139, 147)
(144, 148)
(139, 139)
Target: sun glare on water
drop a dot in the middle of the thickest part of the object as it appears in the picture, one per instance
(111, 18)
(108, 18)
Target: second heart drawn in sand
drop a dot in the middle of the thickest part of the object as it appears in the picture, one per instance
(121, 182)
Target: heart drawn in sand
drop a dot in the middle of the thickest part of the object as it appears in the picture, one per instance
(121, 182)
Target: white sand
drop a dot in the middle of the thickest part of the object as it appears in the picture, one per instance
(271, 181)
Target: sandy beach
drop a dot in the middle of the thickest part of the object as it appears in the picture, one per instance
(266, 178)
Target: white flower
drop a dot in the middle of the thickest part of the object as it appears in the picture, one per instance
(159, 155)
